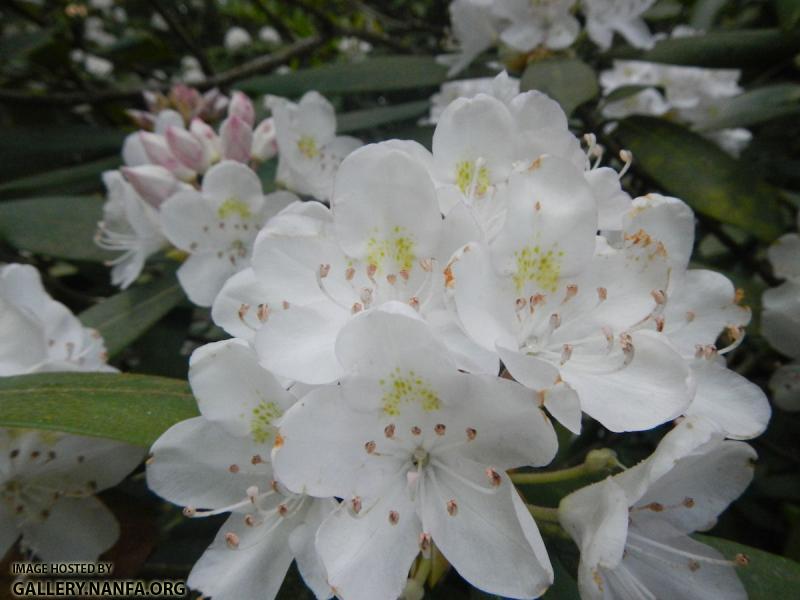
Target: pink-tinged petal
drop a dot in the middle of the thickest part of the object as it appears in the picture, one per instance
(186, 148)
(237, 139)
(241, 106)
(152, 182)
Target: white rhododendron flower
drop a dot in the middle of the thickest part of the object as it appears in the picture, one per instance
(237, 38)
(692, 95)
(48, 483)
(604, 18)
(475, 29)
(37, 333)
(418, 452)
(217, 225)
(219, 463)
(314, 269)
(547, 23)
(780, 323)
(130, 222)
(309, 149)
(502, 87)
(633, 528)
(563, 308)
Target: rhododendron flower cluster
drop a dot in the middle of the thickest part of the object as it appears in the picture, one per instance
(403, 340)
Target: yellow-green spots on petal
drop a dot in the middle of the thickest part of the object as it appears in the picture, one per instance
(261, 419)
(466, 178)
(307, 146)
(397, 248)
(535, 264)
(401, 389)
(234, 206)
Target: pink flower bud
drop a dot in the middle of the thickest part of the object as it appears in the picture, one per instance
(140, 118)
(265, 144)
(242, 107)
(212, 146)
(152, 182)
(186, 148)
(237, 139)
(159, 153)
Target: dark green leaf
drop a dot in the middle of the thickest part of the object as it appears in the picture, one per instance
(704, 13)
(60, 226)
(625, 91)
(129, 408)
(69, 180)
(697, 171)
(788, 13)
(756, 106)
(122, 318)
(568, 80)
(767, 576)
(732, 49)
(382, 73)
(663, 9)
(373, 117)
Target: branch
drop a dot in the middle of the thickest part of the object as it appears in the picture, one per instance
(177, 28)
(275, 20)
(253, 67)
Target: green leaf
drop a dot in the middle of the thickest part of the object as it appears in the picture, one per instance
(69, 180)
(663, 9)
(129, 408)
(704, 13)
(732, 49)
(124, 317)
(378, 74)
(59, 226)
(694, 169)
(766, 576)
(788, 13)
(756, 106)
(382, 115)
(568, 80)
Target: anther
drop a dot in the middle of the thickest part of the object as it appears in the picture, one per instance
(626, 156)
(439, 429)
(404, 275)
(471, 433)
(741, 560)
(688, 502)
(232, 540)
(324, 270)
(659, 296)
(494, 477)
(189, 511)
(416, 430)
(394, 517)
(520, 303)
(349, 273)
(256, 460)
(283, 510)
(572, 291)
(250, 520)
(243, 309)
(659, 323)
(391, 278)
(252, 493)
(425, 543)
(426, 264)
(355, 504)
(371, 270)
(388, 431)
(452, 508)
(285, 305)
(566, 353)
(413, 302)
(263, 312)
(356, 308)
(234, 469)
(602, 293)
(370, 447)
(366, 296)
(555, 321)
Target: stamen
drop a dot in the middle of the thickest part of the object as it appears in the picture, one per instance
(263, 312)
(388, 431)
(355, 504)
(394, 517)
(494, 477)
(572, 291)
(324, 270)
(452, 508)
(566, 353)
(370, 447)
(626, 156)
(232, 540)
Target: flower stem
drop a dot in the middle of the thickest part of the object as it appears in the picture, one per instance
(543, 513)
(596, 461)
(423, 570)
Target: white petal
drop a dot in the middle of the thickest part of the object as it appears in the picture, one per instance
(77, 529)
(8, 530)
(612, 201)
(255, 569)
(235, 392)
(302, 542)
(232, 180)
(780, 321)
(367, 556)
(191, 465)
(483, 538)
(737, 405)
(385, 208)
(563, 403)
(785, 386)
(241, 289)
(203, 275)
(784, 255)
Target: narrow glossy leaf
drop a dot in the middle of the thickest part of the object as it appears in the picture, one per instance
(129, 408)
(60, 226)
(382, 115)
(767, 575)
(756, 106)
(568, 80)
(124, 317)
(68, 180)
(624, 91)
(788, 13)
(731, 49)
(704, 13)
(382, 73)
(696, 170)
(663, 9)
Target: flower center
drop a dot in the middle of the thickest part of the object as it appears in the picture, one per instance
(472, 178)
(262, 417)
(308, 146)
(397, 248)
(234, 206)
(537, 265)
(400, 389)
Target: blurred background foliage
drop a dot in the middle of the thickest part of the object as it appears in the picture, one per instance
(62, 122)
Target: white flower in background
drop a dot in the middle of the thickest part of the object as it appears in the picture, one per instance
(604, 18)
(94, 65)
(418, 451)
(563, 308)
(701, 305)
(692, 95)
(269, 35)
(475, 29)
(94, 31)
(501, 87)
(130, 223)
(633, 528)
(530, 24)
(217, 225)
(314, 268)
(353, 47)
(237, 38)
(219, 463)
(48, 483)
(309, 151)
(39, 334)
(780, 321)
(191, 70)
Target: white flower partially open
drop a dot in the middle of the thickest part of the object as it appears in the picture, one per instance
(633, 529)
(418, 452)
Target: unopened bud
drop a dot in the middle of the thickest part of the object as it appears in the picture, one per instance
(242, 107)
(237, 139)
